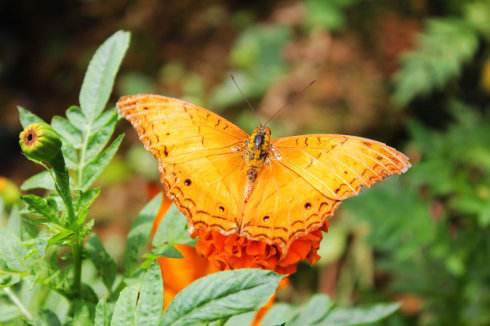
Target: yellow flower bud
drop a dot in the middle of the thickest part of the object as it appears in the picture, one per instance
(41, 144)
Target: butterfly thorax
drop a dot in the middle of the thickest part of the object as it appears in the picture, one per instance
(256, 151)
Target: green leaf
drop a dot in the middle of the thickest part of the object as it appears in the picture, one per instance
(87, 198)
(99, 79)
(84, 202)
(41, 206)
(99, 139)
(221, 295)
(106, 265)
(42, 180)
(82, 313)
(124, 310)
(105, 118)
(279, 314)
(14, 224)
(11, 251)
(150, 302)
(356, 316)
(95, 167)
(70, 155)
(68, 132)
(242, 319)
(26, 117)
(328, 15)
(103, 313)
(314, 310)
(76, 117)
(166, 251)
(48, 318)
(139, 234)
(8, 312)
(173, 230)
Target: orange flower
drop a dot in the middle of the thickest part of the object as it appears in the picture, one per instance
(229, 252)
(234, 251)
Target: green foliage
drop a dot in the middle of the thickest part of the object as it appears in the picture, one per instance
(219, 296)
(436, 245)
(141, 302)
(139, 235)
(320, 310)
(442, 49)
(35, 253)
(257, 60)
(99, 79)
(327, 15)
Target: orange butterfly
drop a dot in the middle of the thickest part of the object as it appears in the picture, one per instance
(270, 190)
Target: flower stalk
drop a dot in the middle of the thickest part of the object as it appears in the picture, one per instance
(41, 144)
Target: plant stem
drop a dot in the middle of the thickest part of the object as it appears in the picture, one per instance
(63, 188)
(77, 266)
(18, 303)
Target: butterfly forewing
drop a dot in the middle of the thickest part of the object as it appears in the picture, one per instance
(200, 167)
(339, 165)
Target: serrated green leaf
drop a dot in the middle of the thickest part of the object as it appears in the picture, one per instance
(221, 295)
(87, 198)
(124, 310)
(139, 234)
(101, 258)
(99, 139)
(103, 314)
(105, 118)
(70, 155)
(42, 180)
(68, 132)
(356, 316)
(150, 302)
(172, 230)
(313, 311)
(76, 117)
(41, 206)
(99, 79)
(95, 167)
(26, 117)
(84, 202)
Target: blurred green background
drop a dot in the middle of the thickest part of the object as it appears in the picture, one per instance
(414, 74)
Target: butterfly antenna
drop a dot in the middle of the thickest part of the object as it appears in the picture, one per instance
(295, 95)
(250, 106)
